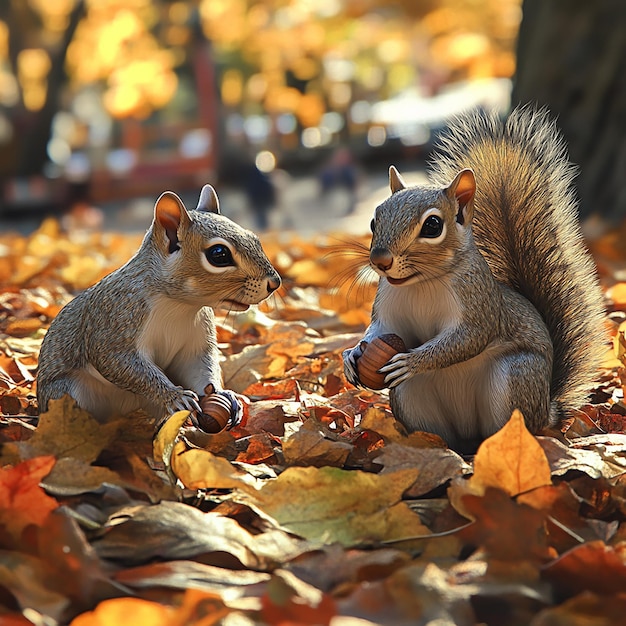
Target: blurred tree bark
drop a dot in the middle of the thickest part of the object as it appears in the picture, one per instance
(28, 151)
(34, 149)
(571, 56)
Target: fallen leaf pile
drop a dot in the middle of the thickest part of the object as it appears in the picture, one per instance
(318, 508)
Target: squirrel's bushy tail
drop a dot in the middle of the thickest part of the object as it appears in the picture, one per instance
(526, 226)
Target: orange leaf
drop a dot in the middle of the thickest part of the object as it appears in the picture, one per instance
(22, 500)
(617, 293)
(259, 450)
(511, 460)
(200, 608)
(23, 328)
(279, 390)
(592, 566)
(126, 611)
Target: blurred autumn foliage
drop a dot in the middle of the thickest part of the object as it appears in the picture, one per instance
(97, 90)
(318, 508)
(131, 48)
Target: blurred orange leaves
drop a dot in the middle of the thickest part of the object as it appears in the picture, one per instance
(22, 500)
(197, 607)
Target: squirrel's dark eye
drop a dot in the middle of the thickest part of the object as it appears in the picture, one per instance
(432, 227)
(372, 225)
(219, 255)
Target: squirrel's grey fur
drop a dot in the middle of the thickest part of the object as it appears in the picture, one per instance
(144, 336)
(501, 311)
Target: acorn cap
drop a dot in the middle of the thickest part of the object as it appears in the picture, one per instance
(395, 341)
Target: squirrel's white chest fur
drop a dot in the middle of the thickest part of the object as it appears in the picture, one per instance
(172, 330)
(417, 312)
(173, 338)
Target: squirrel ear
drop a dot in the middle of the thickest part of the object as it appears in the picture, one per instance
(208, 201)
(169, 212)
(463, 188)
(395, 180)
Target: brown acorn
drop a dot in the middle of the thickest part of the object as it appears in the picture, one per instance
(215, 412)
(376, 354)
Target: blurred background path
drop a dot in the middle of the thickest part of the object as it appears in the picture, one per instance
(301, 206)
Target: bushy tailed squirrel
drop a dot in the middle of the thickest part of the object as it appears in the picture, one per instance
(485, 277)
(144, 336)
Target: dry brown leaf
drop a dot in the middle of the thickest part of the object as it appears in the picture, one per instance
(22, 577)
(435, 466)
(382, 422)
(65, 430)
(417, 594)
(563, 459)
(179, 575)
(59, 573)
(585, 609)
(173, 531)
(310, 446)
(71, 477)
(247, 367)
(507, 531)
(270, 416)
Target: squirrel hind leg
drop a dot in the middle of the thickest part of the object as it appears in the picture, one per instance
(70, 386)
(52, 390)
(470, 401)
(99, 397)
(519, 381)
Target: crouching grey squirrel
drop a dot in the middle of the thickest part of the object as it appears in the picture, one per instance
(485, 277)
(144, 336)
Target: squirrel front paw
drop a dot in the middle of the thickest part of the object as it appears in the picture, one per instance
(399, 369)
(184, 400)
(350, 358)
(236, 406)
(226, 399)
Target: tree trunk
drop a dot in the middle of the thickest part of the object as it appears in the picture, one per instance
(571, 57)
(34, 145)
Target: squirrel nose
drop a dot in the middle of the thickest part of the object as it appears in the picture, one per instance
(381, 258)
(273, 283)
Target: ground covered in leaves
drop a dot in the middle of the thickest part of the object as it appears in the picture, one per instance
(318, 508)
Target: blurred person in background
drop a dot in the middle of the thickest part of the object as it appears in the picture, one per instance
(340, 173)
(261, 194)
